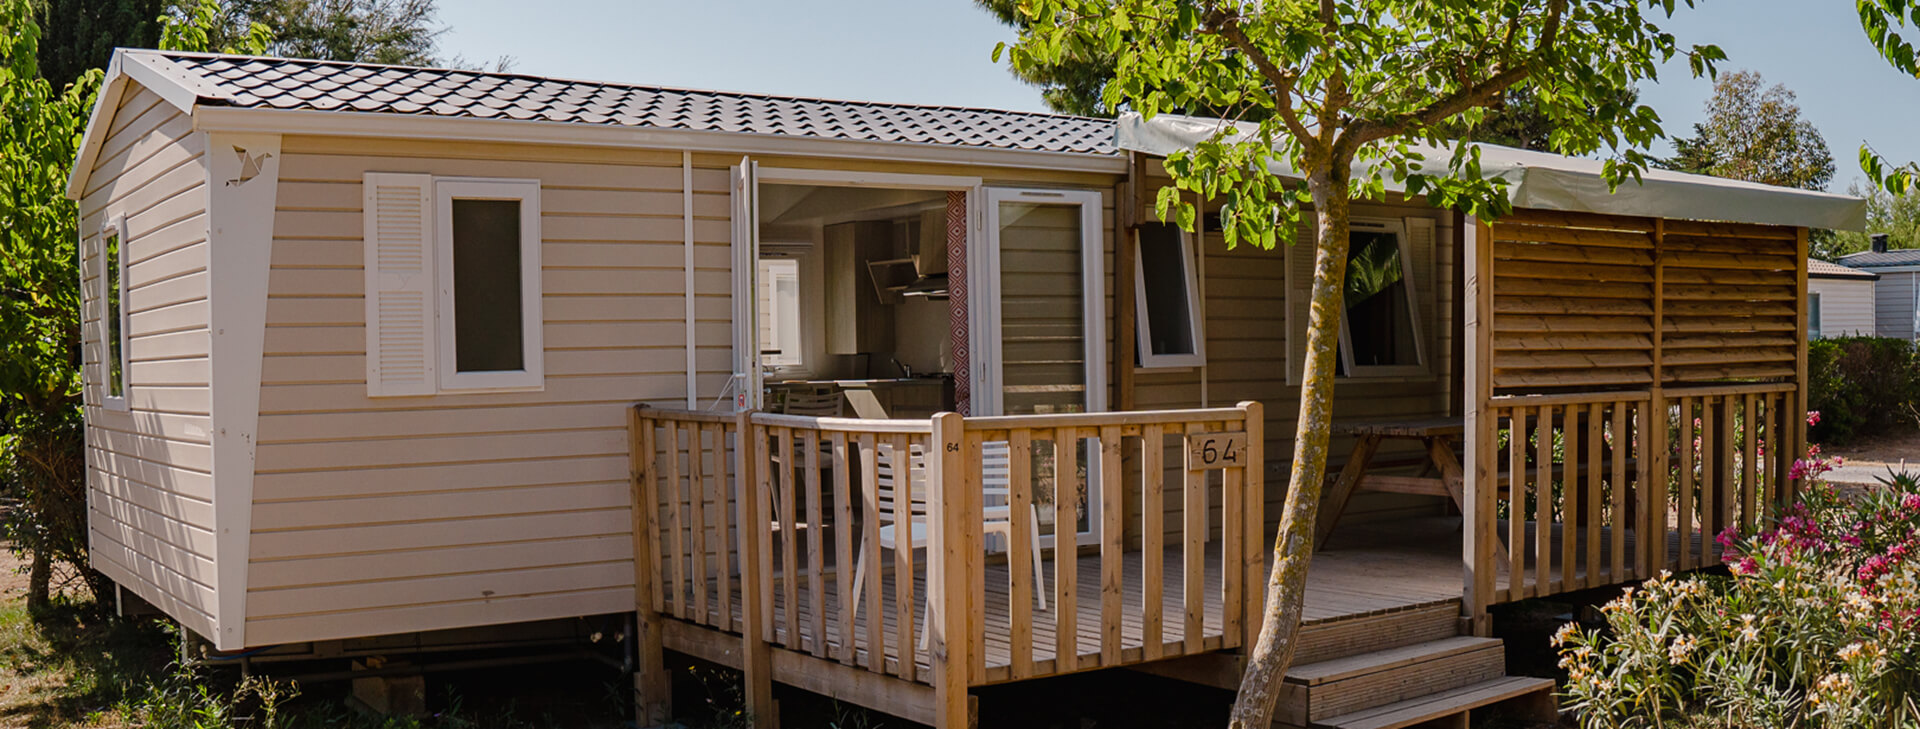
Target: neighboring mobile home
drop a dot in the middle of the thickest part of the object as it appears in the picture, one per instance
(1840, 300)
(362, 344)
(1896, 293)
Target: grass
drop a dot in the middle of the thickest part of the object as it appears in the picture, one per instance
(71, 667)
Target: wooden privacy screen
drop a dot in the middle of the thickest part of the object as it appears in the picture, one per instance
(1576, 297)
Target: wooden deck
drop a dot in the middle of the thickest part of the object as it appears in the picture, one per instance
(1360, 575)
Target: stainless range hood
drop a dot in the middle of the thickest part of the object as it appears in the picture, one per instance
(930, 256)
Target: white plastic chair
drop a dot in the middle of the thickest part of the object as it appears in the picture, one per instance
(996, 513)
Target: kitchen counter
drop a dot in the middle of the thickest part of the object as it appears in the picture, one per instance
(885, 399)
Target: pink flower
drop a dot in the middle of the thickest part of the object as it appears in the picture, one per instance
(1813, 417)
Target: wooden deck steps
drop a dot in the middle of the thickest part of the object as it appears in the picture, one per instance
(1315, 692)
(1454, 704)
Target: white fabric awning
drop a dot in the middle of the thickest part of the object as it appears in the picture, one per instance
(1544, 181)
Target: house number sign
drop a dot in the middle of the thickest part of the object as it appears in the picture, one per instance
(1206, 451)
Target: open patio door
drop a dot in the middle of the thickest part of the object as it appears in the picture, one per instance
(746, 386)
(1040, 319)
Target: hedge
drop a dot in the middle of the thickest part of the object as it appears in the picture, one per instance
(1862, 386)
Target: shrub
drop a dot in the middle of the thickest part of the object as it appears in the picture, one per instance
(1862, 386)
(1817, 626)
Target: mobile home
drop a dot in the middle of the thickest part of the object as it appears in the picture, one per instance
(377, 351)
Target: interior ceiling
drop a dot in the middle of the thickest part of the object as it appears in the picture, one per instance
(793, 208)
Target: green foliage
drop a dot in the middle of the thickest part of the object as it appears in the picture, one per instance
(1360, 81)
(1883, 20)
(1816, 627)
(1754, 135)
(77, 35)
(1896, 215)
(203, 27)
(40, 460)
(1862, 386)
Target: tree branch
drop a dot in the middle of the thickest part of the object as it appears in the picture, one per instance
(1228, 26)
(1479, 94)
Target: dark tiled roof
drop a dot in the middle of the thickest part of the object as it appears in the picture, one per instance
(1823, 269)
(1903, 257)
(278, 83)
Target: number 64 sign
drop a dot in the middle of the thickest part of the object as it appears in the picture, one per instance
(1216, 450)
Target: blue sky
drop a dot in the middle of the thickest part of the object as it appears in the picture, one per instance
(938, 52)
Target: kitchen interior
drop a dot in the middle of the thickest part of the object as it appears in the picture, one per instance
(853, 301)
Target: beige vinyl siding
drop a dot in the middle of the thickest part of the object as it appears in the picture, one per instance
(376, 516)
(149, 475)
(1846, 306)
(1249, 353)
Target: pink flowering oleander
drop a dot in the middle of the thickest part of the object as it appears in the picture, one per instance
(1813, 418)
(1831, 581)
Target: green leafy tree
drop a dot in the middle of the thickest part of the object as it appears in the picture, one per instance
(1898, 216)
(40, 303)
(1755, 134)
(77, 35)
(42, 462)
(1323, 86)
(1883, 20)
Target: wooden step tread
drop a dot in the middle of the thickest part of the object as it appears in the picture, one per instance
(1434, 706)
(1314, 674)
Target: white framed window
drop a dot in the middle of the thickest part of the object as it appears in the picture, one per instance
(1380, 328)
(779, 291)
(453, 285)
(1168, 327)
(112, 295)
(489, 280)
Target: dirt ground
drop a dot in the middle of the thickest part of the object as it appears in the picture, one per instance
(1871, 458)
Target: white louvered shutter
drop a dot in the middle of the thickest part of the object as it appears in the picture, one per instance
(400, 294)
(1421, 243)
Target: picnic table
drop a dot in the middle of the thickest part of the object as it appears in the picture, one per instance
(1439, 436)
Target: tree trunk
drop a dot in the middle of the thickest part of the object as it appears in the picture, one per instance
(1293, 546)
(39, 580)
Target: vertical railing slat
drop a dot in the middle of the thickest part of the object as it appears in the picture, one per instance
(1066, 520)
(1684, 500)
(1153, 453)
(1194, 551)
(677, 593)
(1711, 480)
(1021, 551)
(723, 501)
(976, 567)
(1570, 504)
(1543, 504)
(870, 517)
(1517, 505)
(843, 547)
(1112, 559)
(1595, 484)
(697, 517)
(816, 549)
(763, 501)
(903, 546)
(1617, 486)
(789, 540)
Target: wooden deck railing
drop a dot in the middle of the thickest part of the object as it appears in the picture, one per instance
(1580, 490)
(795, 561)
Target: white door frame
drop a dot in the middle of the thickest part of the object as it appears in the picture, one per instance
(988, 363)
(746, 247)
(984, 288)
